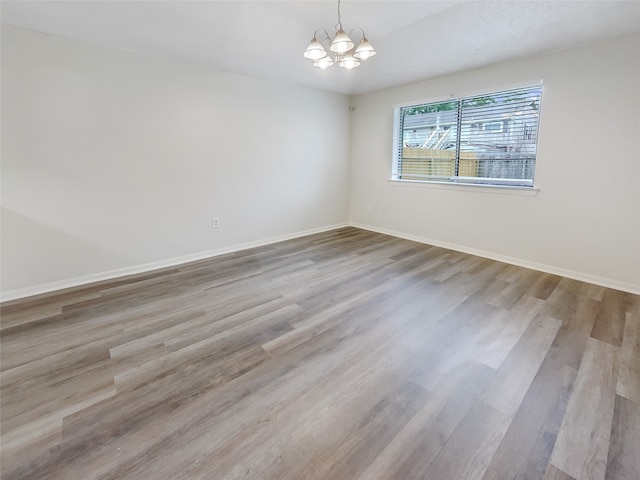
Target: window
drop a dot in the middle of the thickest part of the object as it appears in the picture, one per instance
(495, 126)
(485, 139)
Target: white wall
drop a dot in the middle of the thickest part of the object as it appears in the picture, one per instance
(112, 160)
(585, 220)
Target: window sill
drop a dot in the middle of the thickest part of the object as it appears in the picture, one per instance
(469, 187)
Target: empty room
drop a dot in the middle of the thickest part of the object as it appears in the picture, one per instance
(373, 240)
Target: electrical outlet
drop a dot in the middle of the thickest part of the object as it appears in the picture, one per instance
(369, 209)
(215, 223)
(385, 208)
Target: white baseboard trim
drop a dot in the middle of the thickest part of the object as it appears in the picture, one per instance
(172, 262)
(575, 275)
(148, 267)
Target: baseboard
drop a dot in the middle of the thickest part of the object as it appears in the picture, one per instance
(575, 275)
(172, 262)
(148, 267)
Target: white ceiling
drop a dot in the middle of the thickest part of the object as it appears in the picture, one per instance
(415, 40)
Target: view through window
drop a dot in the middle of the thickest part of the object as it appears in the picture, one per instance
(486, 139)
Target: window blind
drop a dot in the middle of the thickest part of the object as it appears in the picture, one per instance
(484, 139)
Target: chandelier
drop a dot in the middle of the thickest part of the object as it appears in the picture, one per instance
(341, 48)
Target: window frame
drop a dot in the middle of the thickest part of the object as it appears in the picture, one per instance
(456, 180)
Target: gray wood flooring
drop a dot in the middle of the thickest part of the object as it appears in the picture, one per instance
(342, 355)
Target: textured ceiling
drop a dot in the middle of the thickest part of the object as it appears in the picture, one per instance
(415, 40)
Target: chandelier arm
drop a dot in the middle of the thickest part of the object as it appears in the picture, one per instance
(361, 30)
(323, 31)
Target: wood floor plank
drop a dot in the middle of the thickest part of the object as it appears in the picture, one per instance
(609, 324)
(516, 374)
(413, 449)
(342, 355)
(623, 460)
(544, 286)
(518, 286)
(629, 375)
(583, 439)
(510, 326)
(352, 454)
(526, 447)
(554, 473)
(469, 451)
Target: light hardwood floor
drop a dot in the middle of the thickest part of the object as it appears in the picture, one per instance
(342, 355)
